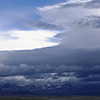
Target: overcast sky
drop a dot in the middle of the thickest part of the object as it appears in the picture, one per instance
(49, 41)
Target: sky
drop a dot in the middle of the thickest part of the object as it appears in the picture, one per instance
(50, 41)
(20, 17)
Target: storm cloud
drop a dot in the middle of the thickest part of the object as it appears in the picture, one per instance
(76, 58)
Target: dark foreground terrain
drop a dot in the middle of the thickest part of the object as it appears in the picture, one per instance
(52, 98)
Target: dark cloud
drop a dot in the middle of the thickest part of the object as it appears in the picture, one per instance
(92, 78)
(89, 21)
(24, 69)
(76, 59)
(93, 4)
(47, 70)
(42, 25)
(58, 55)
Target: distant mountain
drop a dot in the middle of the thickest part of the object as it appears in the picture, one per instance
(66, 89)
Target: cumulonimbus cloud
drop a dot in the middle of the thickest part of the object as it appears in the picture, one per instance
(77, 55)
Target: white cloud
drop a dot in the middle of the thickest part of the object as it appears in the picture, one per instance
(19, 80)
(63, 14)
(78, 1)
(20, 40)
(46, 8)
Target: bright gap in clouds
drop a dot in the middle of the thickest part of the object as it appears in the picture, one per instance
(27, 40)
